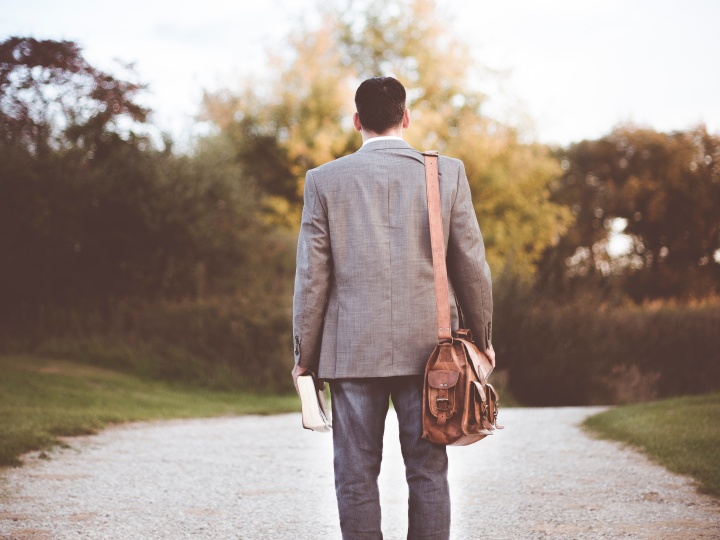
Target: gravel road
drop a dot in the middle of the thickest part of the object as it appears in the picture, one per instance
(261, 478)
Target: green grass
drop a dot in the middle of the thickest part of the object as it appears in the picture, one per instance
(682, 434)
(43, 398)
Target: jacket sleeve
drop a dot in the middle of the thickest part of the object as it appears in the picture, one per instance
(312, 278)
(468, 269)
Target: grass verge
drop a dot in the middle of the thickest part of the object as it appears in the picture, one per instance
(43, 398)
(682, 434)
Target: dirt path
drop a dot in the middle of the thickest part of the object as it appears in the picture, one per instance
(265, 478)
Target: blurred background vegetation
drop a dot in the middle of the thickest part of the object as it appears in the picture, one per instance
(179, 266)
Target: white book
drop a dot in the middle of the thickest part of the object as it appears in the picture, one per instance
(316, 414)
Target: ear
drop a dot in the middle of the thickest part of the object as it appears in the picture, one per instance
(406, 119)
(356, 122)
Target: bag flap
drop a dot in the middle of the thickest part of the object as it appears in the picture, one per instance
(440, 378)
(480, 363)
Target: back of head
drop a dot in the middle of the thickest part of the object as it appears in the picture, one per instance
(380, 103)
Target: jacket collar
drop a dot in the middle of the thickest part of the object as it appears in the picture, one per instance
(385, 144)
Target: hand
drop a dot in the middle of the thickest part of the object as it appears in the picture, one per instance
(296, 372)
(490, 353)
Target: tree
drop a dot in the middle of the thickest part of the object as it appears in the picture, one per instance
(52, 98)
(664, 189)
(87, 215)
(301, 118)
(105, 239)
(297, 120)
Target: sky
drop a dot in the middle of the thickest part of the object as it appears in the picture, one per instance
(574, 68)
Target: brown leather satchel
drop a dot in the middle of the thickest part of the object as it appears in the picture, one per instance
(459, 406)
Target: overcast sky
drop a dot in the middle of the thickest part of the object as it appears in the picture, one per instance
(576, 67)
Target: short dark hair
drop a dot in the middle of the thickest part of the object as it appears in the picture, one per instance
(380, 103)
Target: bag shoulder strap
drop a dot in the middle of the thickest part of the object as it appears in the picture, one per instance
(437, 242)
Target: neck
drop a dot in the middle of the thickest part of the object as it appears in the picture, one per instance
(396, 132)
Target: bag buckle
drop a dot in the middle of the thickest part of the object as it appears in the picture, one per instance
(445, 402)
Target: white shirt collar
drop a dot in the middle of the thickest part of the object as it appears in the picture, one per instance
(383, 138)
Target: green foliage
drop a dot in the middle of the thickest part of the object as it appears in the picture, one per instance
(119, 254)
(509, 181)
(42, 399)
(682, 434)
(666, 189)
(180, 267)
(131, 223)
(87, 221)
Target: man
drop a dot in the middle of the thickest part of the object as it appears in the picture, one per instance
(364, 314)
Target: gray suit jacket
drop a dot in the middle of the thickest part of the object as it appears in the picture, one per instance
(364, 301)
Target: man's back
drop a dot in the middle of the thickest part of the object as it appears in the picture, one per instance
(367, 216)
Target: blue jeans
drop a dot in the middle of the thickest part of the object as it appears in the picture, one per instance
(359, 408)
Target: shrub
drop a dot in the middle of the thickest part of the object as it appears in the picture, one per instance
(582, 354)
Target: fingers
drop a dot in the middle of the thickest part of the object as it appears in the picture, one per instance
(490, 353)
(299, 370)
(296, 372)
